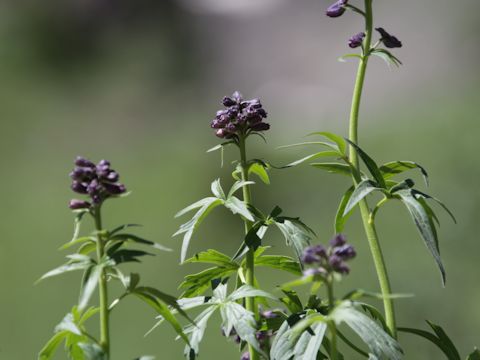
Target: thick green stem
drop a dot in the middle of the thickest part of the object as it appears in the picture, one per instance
(364, 208)
(102, 286)
(250, 258)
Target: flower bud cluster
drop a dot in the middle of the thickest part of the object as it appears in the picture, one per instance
(239, 117)
(98, 181)
(325, 261)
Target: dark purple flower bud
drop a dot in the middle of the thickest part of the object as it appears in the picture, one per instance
(356, 40)
(337, 264)
(113, 176)
(262, 112)
(115, 189)
(228, 101)
(94, 187)
(346, 252)
(319, 250)
(82, 173)
(337, 9)
(268, 314)
(79, 187)
(76, 204)
(231, 128)
(104, 163)
(338, 240)
(216, 124)
(261, 335)
(221, 133)
(97, 199)
(309, 256)
(261, 126)
(233, 111)
(237, 339)
(81, 161)
(245, 356)
(388, 40)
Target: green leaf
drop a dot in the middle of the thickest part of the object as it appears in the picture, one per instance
(89, 286)
(197, 284)
(206, 206)
(162, 310)
(426, 196)
(381, 344)
(393, 168)
(93, 351)
(386, 56)
(212, 256)
(296, 235)
(314, 156)
(77, 222)
(340, 141)
(217, 189)
(126, 255)
(237, 186)
(260, 170)
(424, 225)
(341, 217)
(249, 291)
(344, 58)
(68, 324)
(138, 240)
(292, 301)
(336, 168)
(440, 339)
(195, 332)
(364, 188)
(322, 143)
(279, 262)
(475, 355)
(237, 206)
(122, 227)
(48, 351)
(71, 266)
(370, 164)
(77, 241)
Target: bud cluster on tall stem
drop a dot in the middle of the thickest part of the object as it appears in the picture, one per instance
(250, 258)
(102, 285)
(364, 208)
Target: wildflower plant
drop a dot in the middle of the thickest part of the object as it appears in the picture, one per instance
(99, 256)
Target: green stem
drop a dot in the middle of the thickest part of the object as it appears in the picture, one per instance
(331, 325)
(250, 258)
(102, 286)
(364, 208)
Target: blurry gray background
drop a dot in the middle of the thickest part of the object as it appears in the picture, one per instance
(137, 82)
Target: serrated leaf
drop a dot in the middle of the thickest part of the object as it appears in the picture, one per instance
(370, 164)
(206, 206)
(364, 188)
(279, 262)
(341, 217)
(197, 284)
(393, 168)
(212, 256)
(336, 168)
(237, 206)
(381, 344)
(195, 332)
(424, 226)
(296, 235)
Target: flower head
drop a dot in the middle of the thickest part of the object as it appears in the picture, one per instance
(356, 40)
(337, 8)
(388, 40)
(240, 117)
(324, 261)
(98, 181)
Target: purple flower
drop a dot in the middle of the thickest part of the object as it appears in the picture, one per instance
(76, 204)
(337, 9)
(338, 265)
(314, 272)
(81, 161)
(388, 40)
(356, 40)
(268, 314)
(245, 356)
(338, 240)
(346, 252)
(240, 117)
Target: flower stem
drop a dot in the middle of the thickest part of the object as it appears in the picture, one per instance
(369, 226)
(102, 286)
(250, 258)
(331, 324)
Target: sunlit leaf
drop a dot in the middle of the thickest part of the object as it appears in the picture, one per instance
(393, 168)
(238, 206)
(279, 262)
(48, 351)
(364, 188)
(296, 235)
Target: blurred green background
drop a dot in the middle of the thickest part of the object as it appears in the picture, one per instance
(137, 82)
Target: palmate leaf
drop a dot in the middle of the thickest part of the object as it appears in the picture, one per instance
(381, 344)
(296, 234)
(439, 338)
(364, 188)
(195, 332)
(370, 164)
(342, 216)
(424, 224)
(393, 168)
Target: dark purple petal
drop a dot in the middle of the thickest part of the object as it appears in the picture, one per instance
(268, 314)
(228, 101)
(113, 176)
(245, 356)
(337, 264)
(338, 240)
(115, 189)
(81, 161)
(82, 173)
(388, 40)
(346, 252)
(76, 204)
(314, 272)
(336, 9)
(79, 187)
